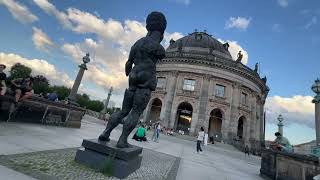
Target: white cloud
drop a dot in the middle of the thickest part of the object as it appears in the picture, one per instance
(39, 67)
(296, 109)
(109, 51)
(234, 49)
(283, 3)
(313, 21)
(241, 23)
(52, 10)
(169, 36)
(41, 40)
(19, 11)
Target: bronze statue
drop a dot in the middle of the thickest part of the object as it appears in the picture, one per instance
(240, 55)
(144, 54)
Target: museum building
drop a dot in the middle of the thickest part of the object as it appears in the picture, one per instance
(199, 84)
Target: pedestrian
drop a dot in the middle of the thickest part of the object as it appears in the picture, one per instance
(154, 136)
(158, 131)
(3, 78)
(200, 139)
(246, 150)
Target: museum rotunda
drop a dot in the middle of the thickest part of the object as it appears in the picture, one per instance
(199, 84)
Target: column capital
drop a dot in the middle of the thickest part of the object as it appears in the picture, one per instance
(316, 99)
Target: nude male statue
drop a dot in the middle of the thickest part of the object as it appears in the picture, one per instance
(144, 54)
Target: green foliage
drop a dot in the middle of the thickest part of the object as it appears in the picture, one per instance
(108, 167)
(19, 71)
(83, 100)
(95, 105)
(41, 84)
(62, 91)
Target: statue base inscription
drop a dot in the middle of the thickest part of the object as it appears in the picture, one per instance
(106, 157)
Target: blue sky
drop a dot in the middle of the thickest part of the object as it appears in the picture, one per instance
(283, 35)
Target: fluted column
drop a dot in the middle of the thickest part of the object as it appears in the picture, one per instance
(234, 108)
(165, 114)
(203, 102)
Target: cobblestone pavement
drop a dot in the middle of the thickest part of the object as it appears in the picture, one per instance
(218, 161)
(60, 164)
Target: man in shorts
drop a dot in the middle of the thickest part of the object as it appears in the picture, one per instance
(22, 88)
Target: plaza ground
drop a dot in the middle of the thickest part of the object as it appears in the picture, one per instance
(219, 161)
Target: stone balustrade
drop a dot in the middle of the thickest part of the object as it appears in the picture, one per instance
(288, 166)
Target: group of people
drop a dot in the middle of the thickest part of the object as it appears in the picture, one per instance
(22, 87)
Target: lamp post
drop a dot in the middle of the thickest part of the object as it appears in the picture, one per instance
(75, 87)
(316, 100)
(280, 124)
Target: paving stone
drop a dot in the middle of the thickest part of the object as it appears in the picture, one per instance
(60, 164)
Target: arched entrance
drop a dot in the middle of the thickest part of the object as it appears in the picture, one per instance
(184, 117)
(241, 128)
(155, 111)
(215, 124)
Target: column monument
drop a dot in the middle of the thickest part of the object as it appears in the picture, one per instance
(104, 110)
(316, 88)
(73, 93)
(280, 124)
(316, 100)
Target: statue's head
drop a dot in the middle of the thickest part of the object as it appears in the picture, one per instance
(156, 21)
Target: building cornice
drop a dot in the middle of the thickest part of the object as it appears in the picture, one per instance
(216, 62)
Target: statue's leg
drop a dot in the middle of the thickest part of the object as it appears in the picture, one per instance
(140, 102)
(117, 117)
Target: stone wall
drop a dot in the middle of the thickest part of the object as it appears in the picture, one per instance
(40, 110)
(288, 166)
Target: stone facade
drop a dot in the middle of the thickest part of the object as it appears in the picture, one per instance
(209, 68)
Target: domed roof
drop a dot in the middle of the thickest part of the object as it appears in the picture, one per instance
(199, 41)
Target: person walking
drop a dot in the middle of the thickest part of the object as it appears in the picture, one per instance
(154, 136)
(158, 131)
(246, 150)
(200, 139)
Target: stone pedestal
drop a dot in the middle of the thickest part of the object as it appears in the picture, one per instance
(105, 155)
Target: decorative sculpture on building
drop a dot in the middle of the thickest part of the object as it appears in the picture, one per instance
(256, 68)
(264, 79)
(240, 56)
(226, 46)
(144, 55)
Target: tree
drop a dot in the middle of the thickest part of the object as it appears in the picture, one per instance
(95, 105)
(62, 91)
(19, 71)
(41, 84)
(83, 100)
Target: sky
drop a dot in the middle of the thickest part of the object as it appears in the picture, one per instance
(281, 35)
